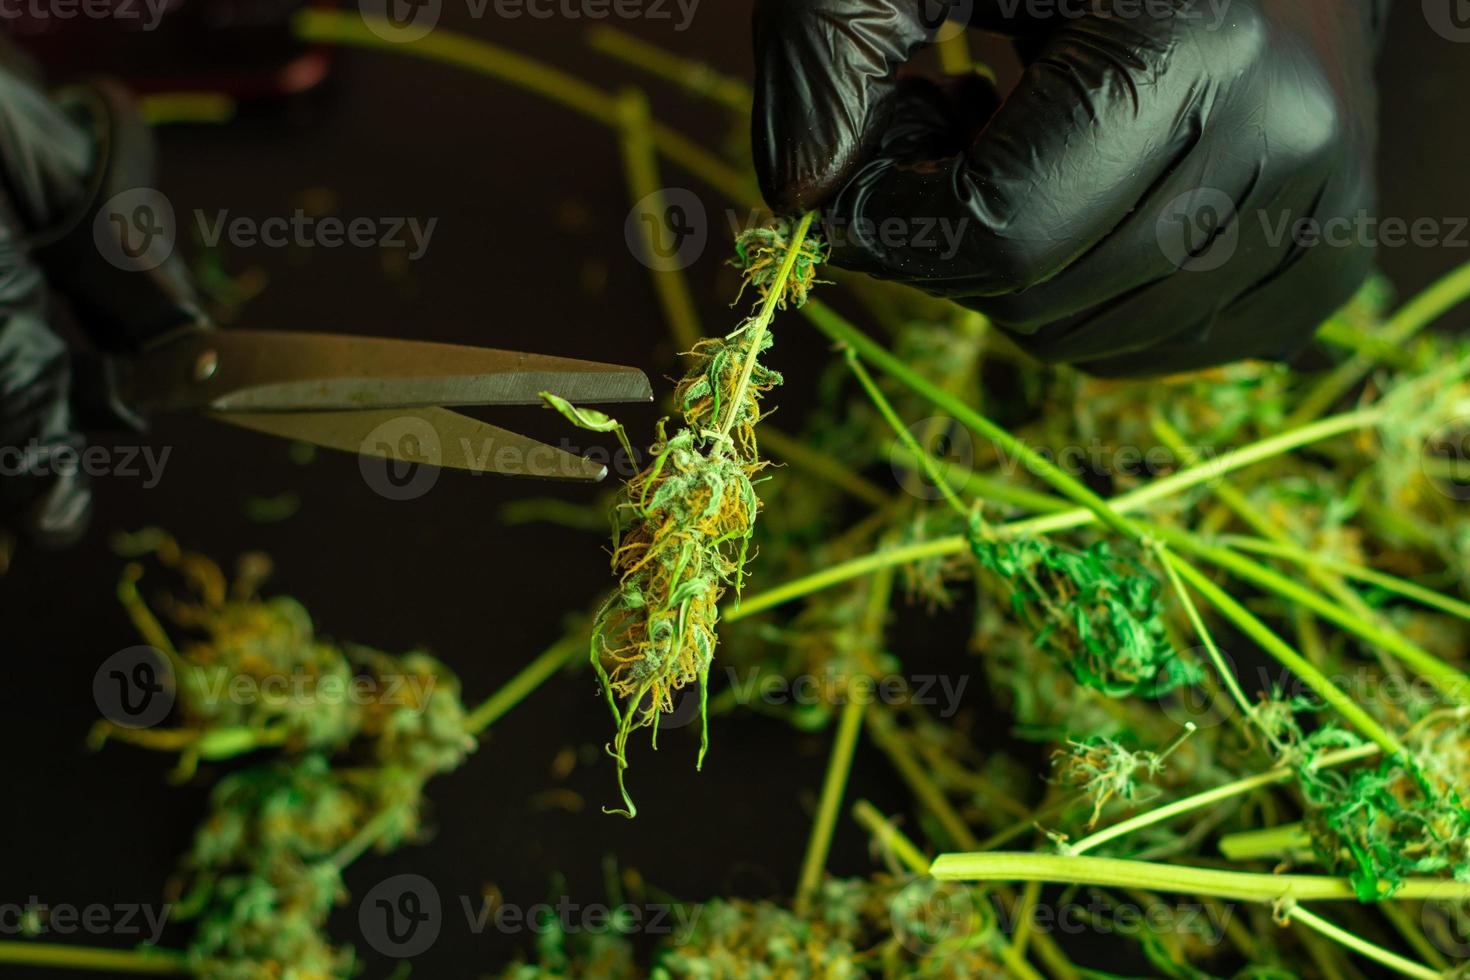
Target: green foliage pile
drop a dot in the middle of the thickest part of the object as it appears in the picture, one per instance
(331, 775)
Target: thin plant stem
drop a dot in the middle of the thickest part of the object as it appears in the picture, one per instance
(1413, 935)
(530, 677)
(150, 961)
(1024, 916)
(1377, 954)
(1388, 583)
(640, 161)
(885, 408)
(449, 48)
(1237, 501)
(1180, 879)
(932, 798)
(849, 724)
(1210, 797)
(873, 352)
(824, 465)
(1227, 674)
(1447, 680)
(687, 73)
(168, 108)
(1299, 665)
(757, 327)
(890, 838)
(1125, 503)
(954, 53)
(1253, 845)
(1413, 317)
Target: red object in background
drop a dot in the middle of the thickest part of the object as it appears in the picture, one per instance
(242, 48)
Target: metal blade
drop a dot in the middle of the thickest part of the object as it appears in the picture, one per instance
(277, 371)
(430, 436)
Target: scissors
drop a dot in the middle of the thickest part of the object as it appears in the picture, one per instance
(373, 396)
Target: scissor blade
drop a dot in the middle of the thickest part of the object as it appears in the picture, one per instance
(278, 371)
(430, 436)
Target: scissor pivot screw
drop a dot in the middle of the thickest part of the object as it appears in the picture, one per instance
(206, 365)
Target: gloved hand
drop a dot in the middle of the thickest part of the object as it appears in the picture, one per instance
(60, 163)
(1130, 207)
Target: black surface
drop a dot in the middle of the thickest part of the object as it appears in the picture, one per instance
(393, 136)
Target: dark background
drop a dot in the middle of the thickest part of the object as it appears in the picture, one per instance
(528, 253)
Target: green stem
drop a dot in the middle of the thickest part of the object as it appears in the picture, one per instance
(1449, 681)
(775, 297)
(885, 408)
(1347, 569)
(1124, 503)
(1118, 873)
(1227, 674)
(890, 837)
(1378, 954)
(1248, 624)
(1253, 845)
(640, 161)
(875, 353)
(838, 767)
(693, 76)
(821, 464)
(145, 960)
(1211, 797)
(515, 690)
(1413, 317)
(448, 48)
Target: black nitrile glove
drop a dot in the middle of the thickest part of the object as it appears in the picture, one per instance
(60, 163)
(1131, 208)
